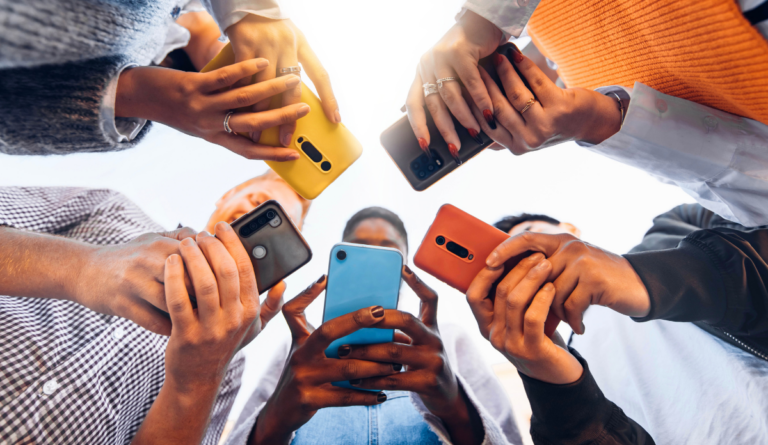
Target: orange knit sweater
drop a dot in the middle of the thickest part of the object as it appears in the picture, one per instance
(700, 50)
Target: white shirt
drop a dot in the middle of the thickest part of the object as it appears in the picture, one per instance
(716, 157)
(683, 385)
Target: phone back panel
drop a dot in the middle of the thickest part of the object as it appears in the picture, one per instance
(332, 146)
(369, 276)
(401, 144)
(277, 249)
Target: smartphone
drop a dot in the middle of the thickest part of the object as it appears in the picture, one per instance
(273, 242)
(455, 248)
(400, 142)
(327, 149)
(361, 276)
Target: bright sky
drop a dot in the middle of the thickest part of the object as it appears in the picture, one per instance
(370, 50)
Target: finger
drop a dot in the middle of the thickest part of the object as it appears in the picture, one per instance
(501, 136)
(384, 352)
(224, 269)
(273, 303)
(564, 283)
(540, 84)
(293, 311)
(519, 299)
(414, 381)
(470, 77)
(252, 94)
(410, 325)
(516, 91)
(428, 297)
(519, 244)
(414, 106)
(478, 297)
(229, 75)
(575, 306)
(290, 97)
(263, 76)
(334, 370)
(341, 326)
(176, 296)
(250, 122)
(399, 337)
(332, 397)
(439, 112)
(454, 100)
(322, 81)
(250, 150)
(249, 291)
(536, 315)
(505, 112)
(203, 280)
(506, 289)
(180, 233)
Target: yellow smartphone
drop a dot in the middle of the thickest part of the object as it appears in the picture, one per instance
(327, 149)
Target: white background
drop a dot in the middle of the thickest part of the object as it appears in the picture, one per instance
(370, 49)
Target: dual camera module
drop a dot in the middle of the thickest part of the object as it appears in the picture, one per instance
(456, 249)
(423, 168)
(313, 153)
(258, 222)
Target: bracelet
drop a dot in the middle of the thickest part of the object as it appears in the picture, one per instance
(621, 108)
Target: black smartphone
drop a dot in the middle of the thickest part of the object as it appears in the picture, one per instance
(402, 146)
(273, 242)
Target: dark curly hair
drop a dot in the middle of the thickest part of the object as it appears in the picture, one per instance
(375, 212)
(506, 223)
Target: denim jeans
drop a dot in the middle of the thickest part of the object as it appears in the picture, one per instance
(394, 422)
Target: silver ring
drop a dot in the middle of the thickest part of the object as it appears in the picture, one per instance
(226, 122)
(290, 70)
(445, 79)
(429, 88)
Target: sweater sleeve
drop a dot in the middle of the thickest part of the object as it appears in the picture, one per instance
(55, 109)
(579, 413)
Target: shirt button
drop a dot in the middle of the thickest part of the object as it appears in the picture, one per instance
(661, 105)
(50, 387)
(710, 123)
(118, 333)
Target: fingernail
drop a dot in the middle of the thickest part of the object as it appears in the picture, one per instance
(488, 115)
(549, 287)
(517, 56)
(262, 63)
(497, 58)
(173, 259)
(343, 350)
(425, 148)
(187, 242)
(355, 382)
(292, 81)
(542, 265)
(475, 135)
(377, 312)
(397, 367)
(321, 279)
(381, 398)
(583, 328)
(287, 139)
(536, 257)
(337, 117)
(455, 153)
(492, 258)
(408, 270)
(303, 110)
(293, 157)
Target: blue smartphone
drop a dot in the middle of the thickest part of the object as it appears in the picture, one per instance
(361, 276)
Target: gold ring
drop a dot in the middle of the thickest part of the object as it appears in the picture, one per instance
(528, 105)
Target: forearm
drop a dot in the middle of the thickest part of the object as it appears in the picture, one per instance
(177, 416)
(265, 432)
(41, 266)
(463, 422)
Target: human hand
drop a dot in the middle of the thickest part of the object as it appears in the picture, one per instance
(455, 55)
(428, 372)
(127, 280)
(305, 384)
(558, 115)
(514, 321)
(582, 274)
(197, 104)
(283, 45)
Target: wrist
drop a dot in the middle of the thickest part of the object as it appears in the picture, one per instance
(81, 279)
(129, 101)
(268, 431)
(605, 117)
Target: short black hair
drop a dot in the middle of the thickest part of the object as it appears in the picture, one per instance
(375, 212)
(506, 223)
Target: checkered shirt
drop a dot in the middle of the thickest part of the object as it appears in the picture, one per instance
(69, 375)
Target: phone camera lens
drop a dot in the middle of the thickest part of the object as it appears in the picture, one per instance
(300, 140)
(440, 240)
(341, 255)
(422, 174)
(325, 166)
(261, 221)
(271, 214)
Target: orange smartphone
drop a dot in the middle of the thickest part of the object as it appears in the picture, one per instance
(455, 248)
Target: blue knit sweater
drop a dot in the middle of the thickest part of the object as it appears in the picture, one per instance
(56, 60)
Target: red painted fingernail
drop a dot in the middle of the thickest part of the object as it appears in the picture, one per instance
(488, 115)
(497, 58)
(425, 147)
(517, 56)
(455, 153)
(475, 135)
(408, 270)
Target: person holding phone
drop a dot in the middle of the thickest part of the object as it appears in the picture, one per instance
(700, 123)
(88, 88)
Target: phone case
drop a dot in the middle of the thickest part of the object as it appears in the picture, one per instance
(455, 248)
(273, 242)
(368, 276)
(400, 142)
(327, 149)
